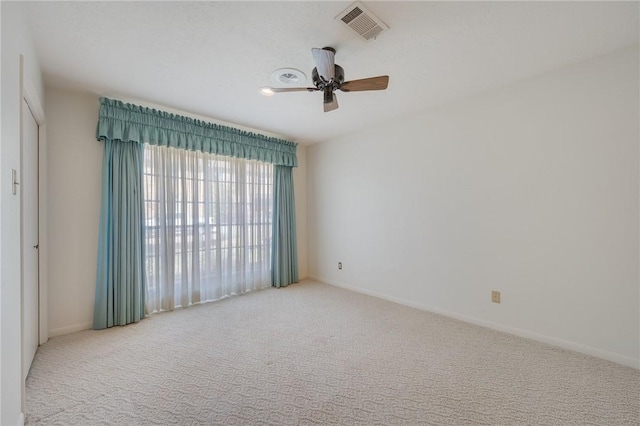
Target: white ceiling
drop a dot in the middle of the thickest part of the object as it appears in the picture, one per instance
(210, 58)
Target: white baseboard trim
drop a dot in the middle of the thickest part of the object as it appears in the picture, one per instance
(70, 329)
(553, 341)
(21, 419)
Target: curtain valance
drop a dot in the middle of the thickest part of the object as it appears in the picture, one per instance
(127, 122)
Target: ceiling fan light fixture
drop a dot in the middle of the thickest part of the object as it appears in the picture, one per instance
(328, 77)
(288, 76)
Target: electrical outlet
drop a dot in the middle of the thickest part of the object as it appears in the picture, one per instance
(339, 265)
(495, 296)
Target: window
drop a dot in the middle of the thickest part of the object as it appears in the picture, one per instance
(207, 226)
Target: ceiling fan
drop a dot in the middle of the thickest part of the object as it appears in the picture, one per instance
(329, 77)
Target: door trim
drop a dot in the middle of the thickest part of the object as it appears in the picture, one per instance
(29, 94)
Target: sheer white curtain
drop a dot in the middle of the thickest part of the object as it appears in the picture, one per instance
(208, 226)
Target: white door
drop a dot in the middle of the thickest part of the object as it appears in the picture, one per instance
(29, 191)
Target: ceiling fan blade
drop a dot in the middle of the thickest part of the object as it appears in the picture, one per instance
(330, 106)
(325, 64)
(293, 89)
(373, 83)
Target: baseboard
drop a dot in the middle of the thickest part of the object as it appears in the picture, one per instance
(561, 343)
(70, 329)
(21, 419)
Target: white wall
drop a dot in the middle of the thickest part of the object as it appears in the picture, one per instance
(16, 41)
(300, 189)
(75, 164)
(532, 190)
(74, 171)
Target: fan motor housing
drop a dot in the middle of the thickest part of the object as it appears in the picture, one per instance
(337, 80)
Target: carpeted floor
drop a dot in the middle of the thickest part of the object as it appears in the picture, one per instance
(315, 354)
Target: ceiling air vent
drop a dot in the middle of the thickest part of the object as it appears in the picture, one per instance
(362, 21)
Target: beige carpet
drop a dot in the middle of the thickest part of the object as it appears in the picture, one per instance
(315, 354)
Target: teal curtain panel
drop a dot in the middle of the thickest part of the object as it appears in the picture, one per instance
(120, 276)
(284, 251)
(127, 122)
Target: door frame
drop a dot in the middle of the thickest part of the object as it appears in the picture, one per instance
(30, 96)
(37, 110)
